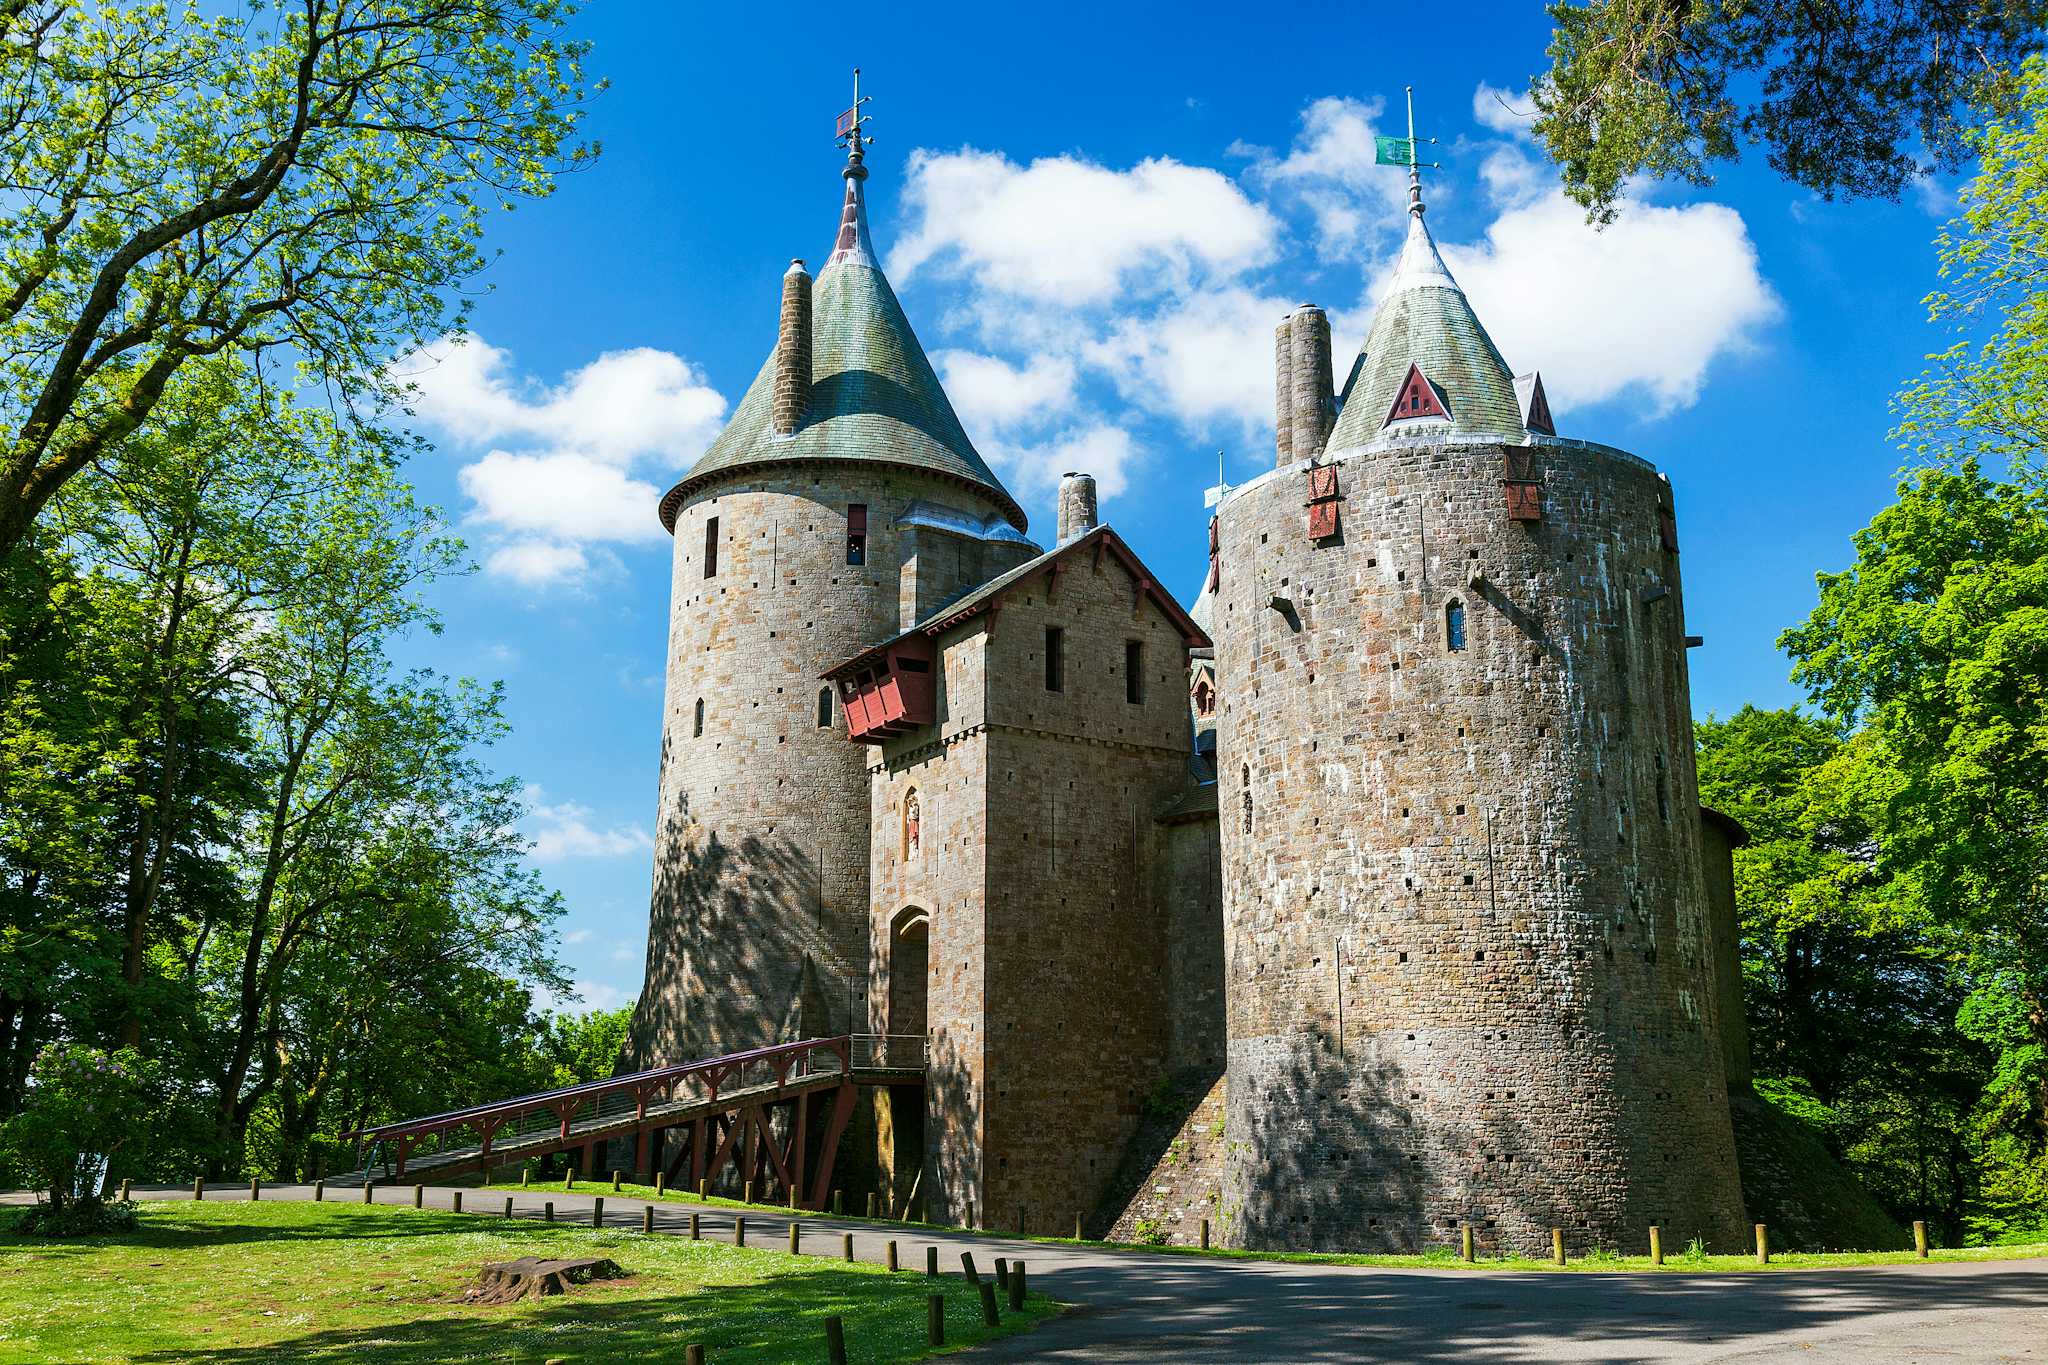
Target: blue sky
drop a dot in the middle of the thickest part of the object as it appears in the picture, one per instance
(1094, 217)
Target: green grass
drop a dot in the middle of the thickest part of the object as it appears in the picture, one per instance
(1676, 1259)
(294, 1281)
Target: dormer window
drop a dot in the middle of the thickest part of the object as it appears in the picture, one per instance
(1418, 399)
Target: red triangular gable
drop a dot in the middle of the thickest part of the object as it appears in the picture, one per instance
(1417, 397)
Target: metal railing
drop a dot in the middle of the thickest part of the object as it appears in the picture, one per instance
(889, 1051)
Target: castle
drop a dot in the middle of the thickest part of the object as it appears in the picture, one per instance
(1395, 831)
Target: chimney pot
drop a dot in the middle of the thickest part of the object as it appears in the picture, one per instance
(1077, 506)
(792, 352)
(1315, 404)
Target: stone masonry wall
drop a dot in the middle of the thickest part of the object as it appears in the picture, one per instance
(1465, 922)
(759, 920)
(1047, 1002)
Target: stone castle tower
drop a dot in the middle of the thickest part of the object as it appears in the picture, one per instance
(841, 504)
(1467, 941)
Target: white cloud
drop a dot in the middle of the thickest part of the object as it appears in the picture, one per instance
(1067, 231)
(1208, 357)
(1503, 110)
(561, 480)
(1332, 169)
(1644, 306)
(1095, 447)
(565, 831)
(991, 394)
(582, 997)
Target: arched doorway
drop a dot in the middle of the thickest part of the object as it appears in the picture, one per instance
(907, 1025)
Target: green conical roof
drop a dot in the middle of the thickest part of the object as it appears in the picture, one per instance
(874, 397)
(1426, 321)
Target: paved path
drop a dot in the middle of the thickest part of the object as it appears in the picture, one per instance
(1137, 1306)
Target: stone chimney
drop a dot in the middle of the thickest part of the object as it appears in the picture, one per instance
(1315, 403)
(1283, 392)
(1077, 506)
(793, 352)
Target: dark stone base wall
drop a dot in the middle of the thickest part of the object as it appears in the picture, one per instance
(1466, 931)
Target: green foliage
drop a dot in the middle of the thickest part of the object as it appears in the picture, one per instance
(1989, 397)
(305, 182)
(82, 1105)
(1840, 95)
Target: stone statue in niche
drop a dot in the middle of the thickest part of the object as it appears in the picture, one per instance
(912, 817)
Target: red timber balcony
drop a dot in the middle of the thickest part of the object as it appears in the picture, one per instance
(888, 690)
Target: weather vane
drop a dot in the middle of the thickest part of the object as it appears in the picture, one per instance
(1403, 151)
(851, 122)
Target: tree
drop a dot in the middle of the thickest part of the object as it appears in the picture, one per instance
(306, 184)
(1989, 396)
(83, 1106)
(1936, 642)
(1847, 98)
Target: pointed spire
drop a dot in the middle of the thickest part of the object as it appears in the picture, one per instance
(853, 244)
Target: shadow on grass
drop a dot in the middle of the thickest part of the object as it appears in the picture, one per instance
(779, 1319)
(172, 1229)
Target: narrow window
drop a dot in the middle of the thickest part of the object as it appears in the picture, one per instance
(824, 708)
(711, 547)
(1454, 626)
(857, 533)
(1055, 659)
(697, 730)
(1245, 791)
(1134, 672)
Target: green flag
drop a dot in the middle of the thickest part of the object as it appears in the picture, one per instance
(1394, 151)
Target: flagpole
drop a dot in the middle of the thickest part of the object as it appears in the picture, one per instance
(1414, 159)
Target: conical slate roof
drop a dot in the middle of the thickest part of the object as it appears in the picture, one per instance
(1425, 320)
(874, 397)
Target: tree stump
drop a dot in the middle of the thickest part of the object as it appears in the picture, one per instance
(531, 1277)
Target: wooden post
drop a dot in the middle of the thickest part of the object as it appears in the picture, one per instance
(1002, 1275)
(1656, 1245)
(1020, 1220)
(525, 1176)
(597, 1212)
(845, 1246)
(835, 1341)
(892, 1256)
(569, 1179)
(319, 1191)
(1920, 1239)
(694, 1355)
(1017, 1287)
(1465, 1242)
(508, 1206)
(255, 1190)
(458, 1201)
(838, 1201)
(795, 1238)
(199, 1189)
(660, 1183)
(647, 1218)
(969, 1224)
(967, 1266)
(1557, 1246)
(1763, 1245)
(1077, 1227)
(1205, 1234)
(703, 1189)
(615, 1182)
(931, 1260)
(747, 1193)
(739, 1232)
(368, 1186)
(873, 1199)
(696, 1229)
(935, 1319)
(990, 1317)
(419, 1196)
(792, 1197)
(548, 1210)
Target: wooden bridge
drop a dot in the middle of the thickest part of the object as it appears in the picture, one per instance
(689, 1121)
